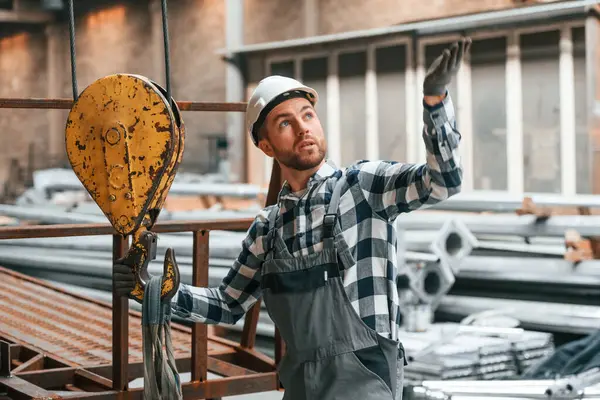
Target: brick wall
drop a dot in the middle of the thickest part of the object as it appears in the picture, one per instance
(358, 14)
(113, 36)
(22, 74)
(272, 20)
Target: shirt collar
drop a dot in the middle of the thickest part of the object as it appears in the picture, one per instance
(327, 169)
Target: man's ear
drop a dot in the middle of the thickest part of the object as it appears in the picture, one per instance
(266, 147)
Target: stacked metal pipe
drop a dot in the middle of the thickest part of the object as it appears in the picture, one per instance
(582, 386)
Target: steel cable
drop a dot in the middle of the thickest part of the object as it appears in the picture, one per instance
(72, 45)
(165, 24)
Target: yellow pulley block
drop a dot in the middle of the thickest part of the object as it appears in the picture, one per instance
(125, 141)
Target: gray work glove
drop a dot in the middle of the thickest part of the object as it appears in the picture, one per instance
(123, 278)
(443, 68)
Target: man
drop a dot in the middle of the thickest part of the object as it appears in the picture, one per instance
(324, 257)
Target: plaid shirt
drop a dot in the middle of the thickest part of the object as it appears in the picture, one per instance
(375, 194)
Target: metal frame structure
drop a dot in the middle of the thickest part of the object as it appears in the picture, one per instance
(35, 374)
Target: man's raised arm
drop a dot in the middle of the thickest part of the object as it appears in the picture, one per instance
(392, 188)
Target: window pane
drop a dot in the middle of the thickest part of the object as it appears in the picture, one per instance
(488, 77)
(285, 68)
(541, 111)
(352, 69)
(391, 102)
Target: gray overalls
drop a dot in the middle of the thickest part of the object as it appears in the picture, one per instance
(330, 352)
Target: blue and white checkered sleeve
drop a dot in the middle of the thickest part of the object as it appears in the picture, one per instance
(238, 291)
(392, 188)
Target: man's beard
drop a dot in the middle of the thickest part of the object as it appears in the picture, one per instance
(299, 163)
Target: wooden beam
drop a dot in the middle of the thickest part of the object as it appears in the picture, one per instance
(26, 17)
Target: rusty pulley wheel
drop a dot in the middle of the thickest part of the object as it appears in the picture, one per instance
(125, 142)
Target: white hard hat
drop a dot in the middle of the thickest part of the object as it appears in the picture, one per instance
(270, 92)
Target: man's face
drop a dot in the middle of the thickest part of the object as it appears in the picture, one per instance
(293, 135)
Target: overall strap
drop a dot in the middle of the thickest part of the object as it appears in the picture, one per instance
(273, 214)
(331, 215)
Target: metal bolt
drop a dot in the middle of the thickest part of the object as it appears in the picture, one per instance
(112, 197)
(113, 136)
(123, 220)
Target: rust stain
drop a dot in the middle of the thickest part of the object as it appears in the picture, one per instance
(131, 129)
(161, 128)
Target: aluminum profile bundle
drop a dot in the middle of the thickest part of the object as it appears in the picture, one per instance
(431, 275)
(580, 319)
(582, 386)
(504, 202)
(509, 225)
(458, 352)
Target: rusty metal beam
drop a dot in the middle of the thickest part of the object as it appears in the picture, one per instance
(88, 380)
(225, 368)
(199, 330)
(249, 358)
(120, 328)
(59, 377)
(222, 387)
(19, 389)
(5, 358)
(239, 381)
(23, 356)
(33, 364)
(26, 17)
(40, 231)
(67, 104)
(199, 390)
